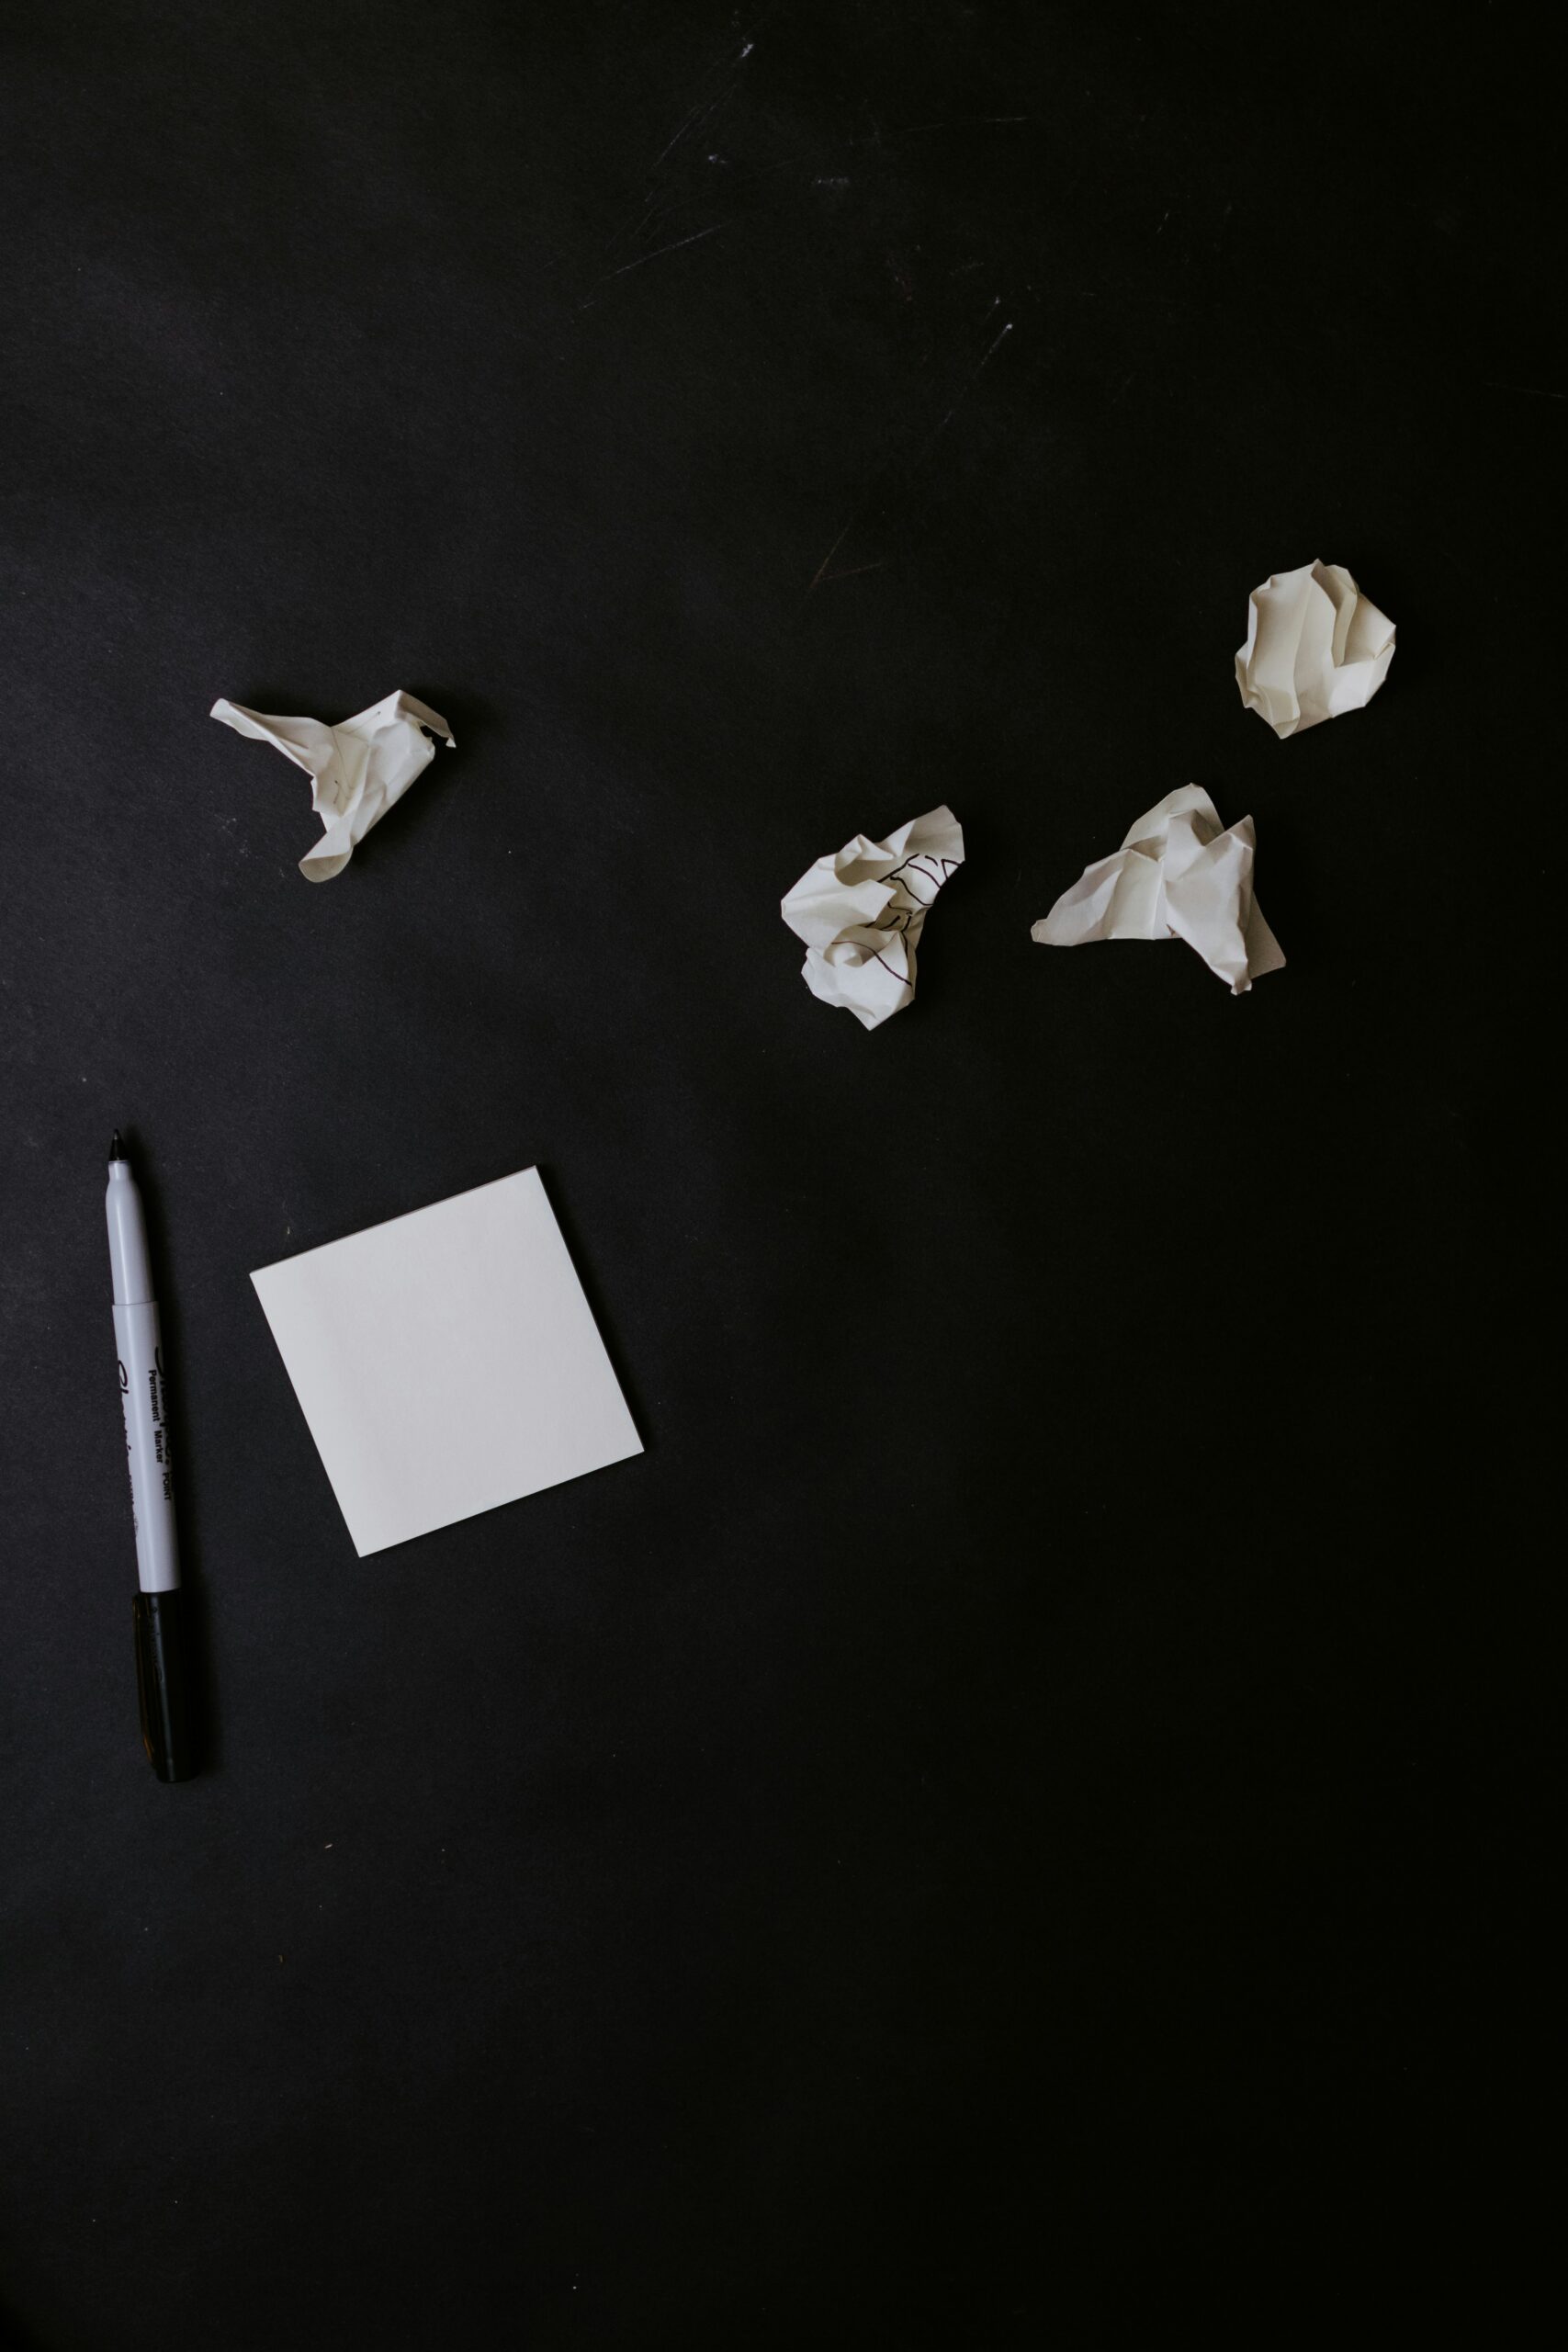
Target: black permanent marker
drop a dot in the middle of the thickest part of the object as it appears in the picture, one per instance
(161, 1663)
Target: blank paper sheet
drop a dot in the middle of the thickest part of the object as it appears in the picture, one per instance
(446, 1361)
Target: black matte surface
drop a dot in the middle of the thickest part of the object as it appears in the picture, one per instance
(960, 1835)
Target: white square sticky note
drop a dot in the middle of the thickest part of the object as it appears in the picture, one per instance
(446, 1361)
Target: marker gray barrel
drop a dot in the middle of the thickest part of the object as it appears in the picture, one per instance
(141, 1386)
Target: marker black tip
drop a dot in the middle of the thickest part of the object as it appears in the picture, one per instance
(116, 1149)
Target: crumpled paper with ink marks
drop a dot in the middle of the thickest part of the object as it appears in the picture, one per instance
(1176, 875)
(861, 914)
(359, 769)
(1315, 648)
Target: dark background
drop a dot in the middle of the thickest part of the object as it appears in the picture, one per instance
(960, 1841)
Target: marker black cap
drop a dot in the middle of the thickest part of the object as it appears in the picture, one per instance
(163, 1685)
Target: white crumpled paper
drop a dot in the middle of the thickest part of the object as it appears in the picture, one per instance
(1315, 648)
(359, 769)
(861, 912)
(1176, 875)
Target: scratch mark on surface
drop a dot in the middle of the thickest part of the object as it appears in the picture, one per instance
(633, 230)
(699, 114)
(669, 182)
(695, 116)
(703, 108)
(825, 572)
(1534, 391)
(694, 238)
(967, 387)
(822, 567)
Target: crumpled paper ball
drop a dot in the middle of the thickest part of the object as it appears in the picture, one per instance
(1176, 875)
(359, 769)
(860, 913)
(1315, 648)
